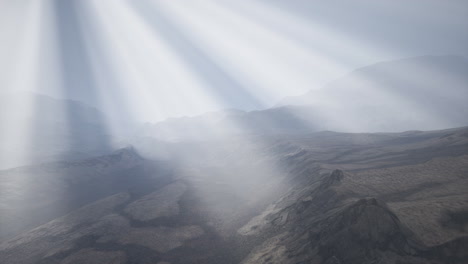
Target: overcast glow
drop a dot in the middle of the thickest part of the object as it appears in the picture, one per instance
(148, 60)
(262, 48)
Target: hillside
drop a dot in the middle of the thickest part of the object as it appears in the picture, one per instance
(321, 197)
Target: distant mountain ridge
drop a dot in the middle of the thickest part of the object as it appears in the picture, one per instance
(413, 75)
(49, 129)
(421, 93)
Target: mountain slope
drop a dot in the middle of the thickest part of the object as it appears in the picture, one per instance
(36, 194)
(428, 92)
(422, 93)
(329, 198)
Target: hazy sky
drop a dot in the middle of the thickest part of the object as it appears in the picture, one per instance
(150, 59)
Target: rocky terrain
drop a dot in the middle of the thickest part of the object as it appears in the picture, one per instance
(34, 195)
(321, 197)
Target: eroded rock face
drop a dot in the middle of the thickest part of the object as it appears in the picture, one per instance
(259, 223)
(329, 225)
(361, 231)
(109, 227)
(161, 239)
(161, 203)
(327, 194)
(90, 256)
(332, 224)
(61, 234)
(321, 216)
(333, 179)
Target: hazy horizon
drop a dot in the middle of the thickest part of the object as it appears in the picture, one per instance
(150, 60)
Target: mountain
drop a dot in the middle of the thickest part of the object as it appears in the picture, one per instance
(222, 125)
(323, 197)
(428, 92)
(33, 195)
(421, 93)
(269, 186)
(38, 128)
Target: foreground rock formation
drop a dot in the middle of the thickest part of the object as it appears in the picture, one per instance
(315, 198)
